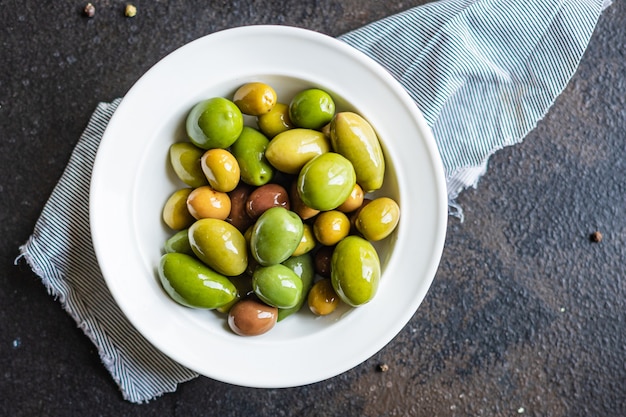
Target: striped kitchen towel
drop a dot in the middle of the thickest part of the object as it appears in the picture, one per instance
(483, 72)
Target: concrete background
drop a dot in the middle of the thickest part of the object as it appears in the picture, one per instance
(526, 316)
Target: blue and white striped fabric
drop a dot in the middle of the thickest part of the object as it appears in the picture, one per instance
(483, 72)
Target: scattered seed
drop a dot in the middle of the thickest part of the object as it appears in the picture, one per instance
(383, 367)
(130, 10)
(89, 10)
(596, 237)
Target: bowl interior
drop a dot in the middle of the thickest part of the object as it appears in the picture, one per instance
(148, 200)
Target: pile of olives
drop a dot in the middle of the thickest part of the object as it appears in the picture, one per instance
(277, 215)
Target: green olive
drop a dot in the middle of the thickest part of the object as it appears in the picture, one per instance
(175, 212)
(275, 121)
(311, 108)
(255, 98)
(290, 150)
(214, 123)
(277, 285)
(185, 160)
(330, 227)
(191, 283)
(304, 267)
(326, 181)
(179, 243)
(275, 236)
(221, 169)
(355, 270)
(249, 150)
(353, 137)
(378, 219)
(220, 245)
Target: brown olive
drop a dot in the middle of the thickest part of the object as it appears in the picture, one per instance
(266, 197)
(250, 317)
(322, 260)
(238, 216)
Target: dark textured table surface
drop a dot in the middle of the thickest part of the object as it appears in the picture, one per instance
(526, 315)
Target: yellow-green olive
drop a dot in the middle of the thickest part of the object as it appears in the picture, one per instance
(378, 219)
(353, 137)
(220, 245)
(175, 212)
(307, 243)
(185, 160)
(275, 121)
(355, 270)
(290, 150)
(255, 98)
(221, 169)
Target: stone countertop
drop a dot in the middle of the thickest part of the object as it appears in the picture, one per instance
(526, 315)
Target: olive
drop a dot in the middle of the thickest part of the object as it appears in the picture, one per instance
(221, 169)
(322, 298)
(326, 181)
(175, 212)
(179, 242)
(191, 283)
(355, 270)
(275, 121)
(290, 150)
(307, 243)
(250, 317)
(266, 197)
(205, 202)
(220, 245)
(185, 160)
(277, 285)
(353, 137)
(311, 108)
(378, 219)
(303, 267)
(214, 123)
(255, 98)
(322, 260)
(354, 200)
(238, 216)
(297, 205)
(330, 227)
(275, 236)
(249, 150)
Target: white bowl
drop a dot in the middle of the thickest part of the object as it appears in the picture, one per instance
(131, 181)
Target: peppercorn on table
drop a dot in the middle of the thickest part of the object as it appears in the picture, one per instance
(525, 316)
